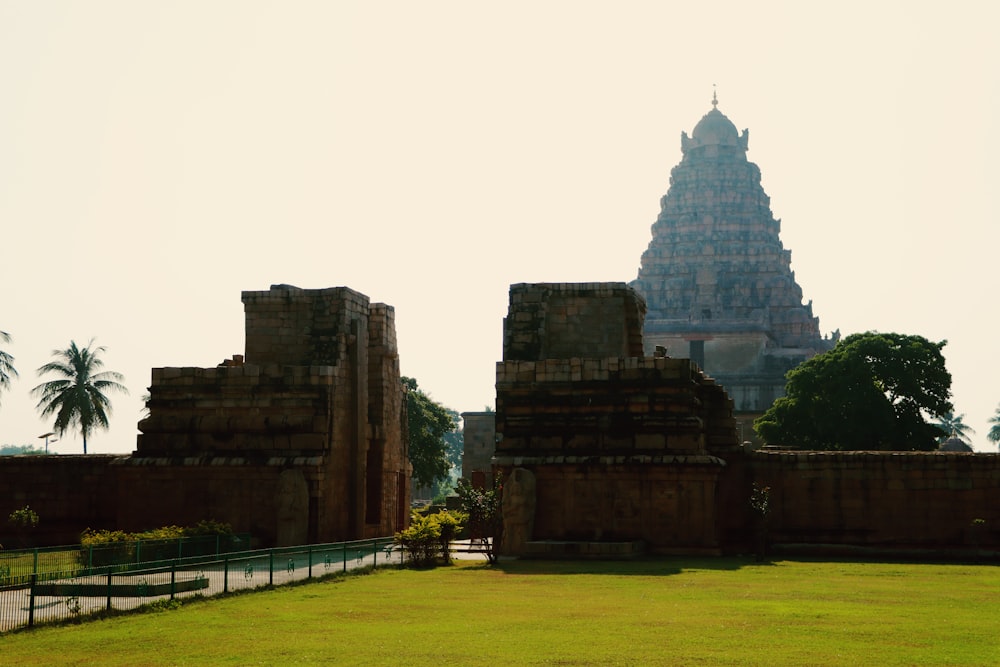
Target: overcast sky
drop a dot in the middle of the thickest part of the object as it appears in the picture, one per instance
(158, 158)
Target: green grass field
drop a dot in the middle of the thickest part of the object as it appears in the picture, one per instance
(649, 612)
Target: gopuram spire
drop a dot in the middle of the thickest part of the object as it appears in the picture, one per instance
(717, 281)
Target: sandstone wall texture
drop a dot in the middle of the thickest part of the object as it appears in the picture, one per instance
(616, 442)
(478, 433)
(69, 493)
(897, 500)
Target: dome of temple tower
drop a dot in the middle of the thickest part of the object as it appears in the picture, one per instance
(715, 128)
(715, 135)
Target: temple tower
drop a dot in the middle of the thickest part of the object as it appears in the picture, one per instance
(716, 279)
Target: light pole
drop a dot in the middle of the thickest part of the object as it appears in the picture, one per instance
(46, 436)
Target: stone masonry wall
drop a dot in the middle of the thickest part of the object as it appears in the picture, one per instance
(69, 493)
(616, 442)
(479, 436)
(926, 500)
(563, 320)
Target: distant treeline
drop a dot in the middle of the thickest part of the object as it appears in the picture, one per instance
(12, 450)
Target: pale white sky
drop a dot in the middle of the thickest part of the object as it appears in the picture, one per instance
(158, 158)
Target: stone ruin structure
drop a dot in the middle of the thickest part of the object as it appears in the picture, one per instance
(478, 435)
(716, 278)
(603, 447)
(605, 452)
(301, 439)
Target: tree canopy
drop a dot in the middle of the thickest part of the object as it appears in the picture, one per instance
(872, 391)
(429, 423)
(7, 370)
(954, 426)
(994, 434)
(78, 396)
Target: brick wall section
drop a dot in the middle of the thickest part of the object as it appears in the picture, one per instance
(286, 409)
(617, 441)
(563, 320)
(877, 499)
(389, 459)
(300, 327)
(615, 405)
(618, 447)
(479, 440)
(69, 493)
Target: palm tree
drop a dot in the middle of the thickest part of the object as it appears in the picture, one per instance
(7, 370)
(994, 434)
(78, 397)
(954, 427)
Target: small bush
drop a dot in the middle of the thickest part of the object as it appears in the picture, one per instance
(429, 535)
(113, 547)
(24, 518)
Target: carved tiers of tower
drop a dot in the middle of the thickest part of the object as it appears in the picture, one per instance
(716, 279)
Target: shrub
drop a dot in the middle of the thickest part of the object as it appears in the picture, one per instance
(485, 514)
(112, 547)
(24, 518)
(428, 535)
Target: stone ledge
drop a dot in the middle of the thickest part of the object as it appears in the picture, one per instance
(699, 460)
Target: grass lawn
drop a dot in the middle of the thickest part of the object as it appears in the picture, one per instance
(650, 612)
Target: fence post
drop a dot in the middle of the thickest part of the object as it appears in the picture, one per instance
(31, 604)
(345, 556)
(109, 587)
(173, 579)
(225, 575)
(375, 552)
(270, 567)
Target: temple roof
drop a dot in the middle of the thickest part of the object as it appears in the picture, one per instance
(954, 444)
(715, 129)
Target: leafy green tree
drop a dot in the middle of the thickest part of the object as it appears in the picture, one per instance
(7, 370)
(454, 440)
(428, 423)
(484, 508)
(78, 397)
(994, 434)
(954, 426)
(871, 391)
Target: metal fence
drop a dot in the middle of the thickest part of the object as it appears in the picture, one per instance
(17, 566)
(58, 596)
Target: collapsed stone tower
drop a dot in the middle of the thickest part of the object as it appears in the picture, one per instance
(604, 451)
(299, 440)
(716, 278)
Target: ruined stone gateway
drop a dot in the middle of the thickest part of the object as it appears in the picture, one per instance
(618, 444)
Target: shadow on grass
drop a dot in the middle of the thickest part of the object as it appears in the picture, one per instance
(646, 566)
